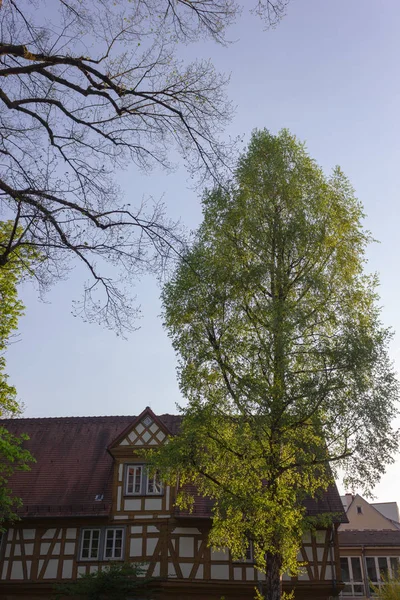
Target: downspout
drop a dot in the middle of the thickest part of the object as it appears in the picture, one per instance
(365, 578)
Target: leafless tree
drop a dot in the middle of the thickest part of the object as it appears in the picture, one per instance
(86, 88)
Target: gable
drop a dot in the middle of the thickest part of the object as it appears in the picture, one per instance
(146, 430)
(368, 519)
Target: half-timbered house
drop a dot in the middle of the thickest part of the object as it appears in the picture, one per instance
(89, 500)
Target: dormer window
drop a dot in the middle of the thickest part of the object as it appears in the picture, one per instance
(140, 483)
(154, 484)
(134, 480)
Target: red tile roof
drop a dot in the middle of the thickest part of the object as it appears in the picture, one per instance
(73, 467)
(369, 537)
(72, 463)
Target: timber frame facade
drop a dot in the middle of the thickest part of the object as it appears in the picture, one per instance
(79, 514)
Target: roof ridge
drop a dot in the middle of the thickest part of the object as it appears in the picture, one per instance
(80, 417)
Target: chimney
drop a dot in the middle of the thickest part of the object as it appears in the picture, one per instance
(349, 500)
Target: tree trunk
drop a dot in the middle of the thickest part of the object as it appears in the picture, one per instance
(273, 586)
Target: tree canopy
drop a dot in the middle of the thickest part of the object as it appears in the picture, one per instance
(86, 90)
(12, 455)
(283, 359)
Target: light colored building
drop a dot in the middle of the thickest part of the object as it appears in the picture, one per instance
(369, 545)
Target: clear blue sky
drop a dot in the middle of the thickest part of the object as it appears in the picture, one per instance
(329, 73)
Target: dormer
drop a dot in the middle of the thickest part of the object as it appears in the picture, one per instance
(146, 431)
(139, 493)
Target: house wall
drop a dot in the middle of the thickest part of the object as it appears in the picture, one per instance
(36, 554)
(369, 518)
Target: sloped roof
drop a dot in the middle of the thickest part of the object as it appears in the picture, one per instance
(72, 463)
(73, 467)
(369, 537)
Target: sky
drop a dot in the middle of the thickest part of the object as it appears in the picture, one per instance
(330, 73)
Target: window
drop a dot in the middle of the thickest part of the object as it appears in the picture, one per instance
(113, 544)
(139, 482)
(359, 510)
(105, 543)
(90, 544)
(352, 576)
(134, 479)
(154, 484)
(380, 568)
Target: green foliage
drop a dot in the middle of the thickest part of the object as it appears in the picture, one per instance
(116, 581)
(389, 591)
(12, 456)
(283, 359)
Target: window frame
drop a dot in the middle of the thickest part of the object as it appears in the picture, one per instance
(145, 479)
(134, 466)
(114, 529)
(379, 582)
(101, 553)
(82, 539)
(352, 582)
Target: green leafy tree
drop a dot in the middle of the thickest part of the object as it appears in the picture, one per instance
(12, 455)
(283, 360)
(114, 582)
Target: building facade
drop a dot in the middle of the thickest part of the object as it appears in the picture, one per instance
(369, 545)
(89, 500)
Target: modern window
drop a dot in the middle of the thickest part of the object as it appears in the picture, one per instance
(352, 576)
(380, 568)
(139, 482)
(90, 544)
(106, 543)
(113, 543)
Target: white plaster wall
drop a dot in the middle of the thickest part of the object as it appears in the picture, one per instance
(49, 534)
(219, 555)
(219, 571)
(136, 547)
(5, 567)
(51, 569)
(67, 569)
(16, 570)
(150, 546)
(71, 533)
(132, 504)
(153, 504)
(186, 569)
(186, 547)
(29, 534)
(69, 548)
(200, 572)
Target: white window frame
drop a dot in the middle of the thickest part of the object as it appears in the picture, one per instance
(379, 582)
(91, 530)
(352, 582)
(155, 480)
(145, 480)
(113, 530)
(135, 467)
